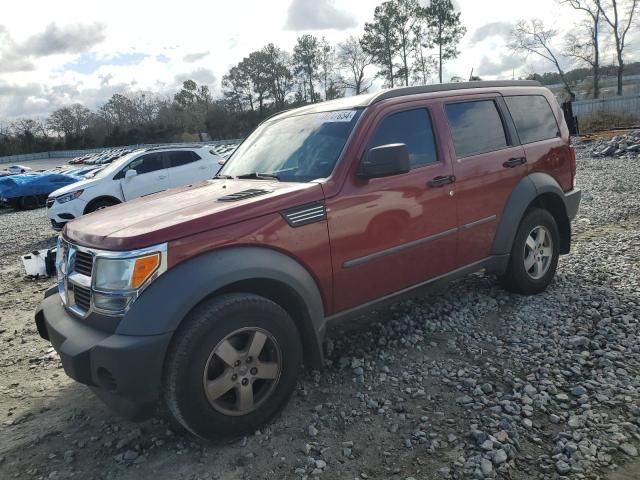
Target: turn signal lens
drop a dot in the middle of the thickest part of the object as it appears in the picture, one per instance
(144, 268)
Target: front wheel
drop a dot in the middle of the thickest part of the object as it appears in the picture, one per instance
(232, 365)
(534, 255)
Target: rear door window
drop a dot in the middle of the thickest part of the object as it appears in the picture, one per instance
(533, 117)
(414, 129)
(177, 159)
(476, 127)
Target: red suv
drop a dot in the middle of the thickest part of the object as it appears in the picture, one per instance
(210, 297)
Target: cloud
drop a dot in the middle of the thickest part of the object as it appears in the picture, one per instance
(74, 38)
(194, 57)
(202, 76)
(317, 15)
(10, 60)
(499, 29)
(36, 99)
(506, 63)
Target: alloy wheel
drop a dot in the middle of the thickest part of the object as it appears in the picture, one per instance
(538, 252)
(242, 371)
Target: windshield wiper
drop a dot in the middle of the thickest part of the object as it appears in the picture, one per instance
(224, 176)
(259, 176)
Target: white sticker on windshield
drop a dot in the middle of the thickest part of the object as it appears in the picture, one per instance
(337, 116)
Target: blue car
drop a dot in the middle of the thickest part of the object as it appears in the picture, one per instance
(30, 191)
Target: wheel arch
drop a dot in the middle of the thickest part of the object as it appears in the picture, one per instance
(539, 190)
(262, 271)
(93, 201)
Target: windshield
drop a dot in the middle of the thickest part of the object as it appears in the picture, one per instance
(295, 149)
(114, 166)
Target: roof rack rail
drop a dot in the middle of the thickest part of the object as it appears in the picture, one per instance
(174, 145)
(443, 87)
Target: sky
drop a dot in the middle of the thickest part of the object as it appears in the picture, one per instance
(67, 51)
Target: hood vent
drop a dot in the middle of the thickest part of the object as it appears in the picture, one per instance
(234, 197)
(305, 214)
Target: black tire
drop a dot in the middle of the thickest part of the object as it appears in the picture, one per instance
(99, 205)
(29, 202)
(209, 324)
(517, 278)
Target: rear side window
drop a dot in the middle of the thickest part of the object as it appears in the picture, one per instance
(177, 159)
(533, 117)
(413, 128)
(476, 127)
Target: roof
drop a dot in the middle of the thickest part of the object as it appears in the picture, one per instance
(365, 100)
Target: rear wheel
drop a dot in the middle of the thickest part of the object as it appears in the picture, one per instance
(29, 202)
(534, 255)
(232, 365)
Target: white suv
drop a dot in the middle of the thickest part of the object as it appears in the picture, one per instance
(136, 174)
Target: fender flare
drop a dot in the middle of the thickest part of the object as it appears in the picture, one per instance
(526, 192)
(161, 308)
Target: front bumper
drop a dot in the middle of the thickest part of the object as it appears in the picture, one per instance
(123, 370)
(61, 213)
(572, 202)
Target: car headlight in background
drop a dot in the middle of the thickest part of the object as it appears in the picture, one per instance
(67, 197)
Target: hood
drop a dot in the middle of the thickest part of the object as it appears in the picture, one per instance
(75, 186)
(185, 211)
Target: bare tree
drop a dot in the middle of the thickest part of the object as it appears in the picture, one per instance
(619, 15)
(587, 51)
(353, 59)
(532, 37)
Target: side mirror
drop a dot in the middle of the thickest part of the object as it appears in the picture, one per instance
(385, 161)
(129, 174)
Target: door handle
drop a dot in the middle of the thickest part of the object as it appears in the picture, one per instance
(441, 181)
(514, 162)
(203, 167)
(161, 177)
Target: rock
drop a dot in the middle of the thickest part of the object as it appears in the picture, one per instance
(629, 449)
(321, 464)
(562, 397)
(130, 455)
(312, 431)
(487, 388)
(578, 391)
(499, 457)
(487, 445)
(562, 467)
(485, 467)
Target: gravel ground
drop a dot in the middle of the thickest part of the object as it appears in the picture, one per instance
(471, 382)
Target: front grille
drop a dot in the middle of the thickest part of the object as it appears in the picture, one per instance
(50, 202)
(82, 296)
(84, 263)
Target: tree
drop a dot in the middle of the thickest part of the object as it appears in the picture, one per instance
(532, 37)
(237, 87)
(72, 121)
(586, 50)
(407, 14)
(306, 61)
(278, 65)
(380, 40)
(445, 30)
(620, 22)
(423, 64)
(353, 59)
(327, 69)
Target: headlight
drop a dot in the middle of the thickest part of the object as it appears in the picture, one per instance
(69, 196)
(124, 274)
